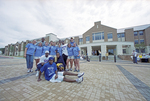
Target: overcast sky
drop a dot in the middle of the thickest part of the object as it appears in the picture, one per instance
(22, 20)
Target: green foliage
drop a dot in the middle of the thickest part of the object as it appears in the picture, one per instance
(3, 50)
(140, 46)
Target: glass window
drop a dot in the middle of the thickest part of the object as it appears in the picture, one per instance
(142, 50)
(122, 35)
(137, 50)
(135, 33)
(142, 41)
(141, 32)
(98, 36)
(119, 35)
(124, 51)
(81, 40)
(136, 42)
(110, 36)
(88, 38)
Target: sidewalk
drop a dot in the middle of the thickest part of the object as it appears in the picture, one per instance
(103, 81)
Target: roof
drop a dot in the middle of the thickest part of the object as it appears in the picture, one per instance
(135, 28)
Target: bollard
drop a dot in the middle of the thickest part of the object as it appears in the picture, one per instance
(99, 58)
(114, 58)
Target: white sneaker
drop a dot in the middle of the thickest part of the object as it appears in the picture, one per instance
(67, 69)
(80, 75)
(79, 80)
(70, 69)
(31, 70)
(28, 71)
(37, 74)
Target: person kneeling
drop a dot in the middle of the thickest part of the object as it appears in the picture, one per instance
(52, 75)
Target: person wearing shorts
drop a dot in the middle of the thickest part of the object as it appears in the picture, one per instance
(38, 53)
(76, 52)
(53, 49)
(51, 74)
(70, 57)
(43, 60)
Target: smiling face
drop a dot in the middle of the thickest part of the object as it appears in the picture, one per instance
(57, 55)
(74, 45)
(40, 44)
(69, 45)
(46, 43)
(33, 41)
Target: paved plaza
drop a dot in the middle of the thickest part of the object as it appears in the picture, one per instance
(103, 81)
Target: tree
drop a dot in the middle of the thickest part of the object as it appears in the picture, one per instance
(3, 50)
(140, 46)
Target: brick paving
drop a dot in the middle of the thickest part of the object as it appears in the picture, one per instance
(103, 81)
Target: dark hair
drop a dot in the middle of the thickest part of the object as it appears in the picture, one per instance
(57, 52)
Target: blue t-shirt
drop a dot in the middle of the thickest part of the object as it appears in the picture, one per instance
(59, 50)
(52, 50)
(70, 51)
(38, 51)
(45, 48)
(71, 44)
(30, 48)
(76, 51)
(49, 70)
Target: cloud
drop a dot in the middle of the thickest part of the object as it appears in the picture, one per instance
(24, 20)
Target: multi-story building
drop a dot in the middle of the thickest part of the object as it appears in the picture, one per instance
(103, 38)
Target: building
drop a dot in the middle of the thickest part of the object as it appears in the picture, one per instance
(99, 37)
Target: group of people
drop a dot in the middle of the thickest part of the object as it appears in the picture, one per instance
(51, 58)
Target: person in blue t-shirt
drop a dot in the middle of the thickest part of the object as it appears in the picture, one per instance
(42, 41)
(59, 49)
(53, 49)
(76, 52)
(28, 54)
(71, 41)
(45, 48)
(38, 53)
(70, 57)
(51, 74)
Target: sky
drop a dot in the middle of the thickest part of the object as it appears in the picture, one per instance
(22, 20)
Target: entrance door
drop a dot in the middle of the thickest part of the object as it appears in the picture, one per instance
(111, 51)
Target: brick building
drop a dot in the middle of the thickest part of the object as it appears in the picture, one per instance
(99, 37)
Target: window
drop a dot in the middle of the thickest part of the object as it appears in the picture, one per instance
(81, 40)
(141, 32)
(142, 50)
(124, 51)
(137, 50)
(119, 35)
(142, 41)
(110, 36)
(98, 36)
(135, 33)
(88, 38)
(122, 35)
(136, 42)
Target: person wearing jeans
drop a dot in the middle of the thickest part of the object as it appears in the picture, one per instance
(28, 54)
